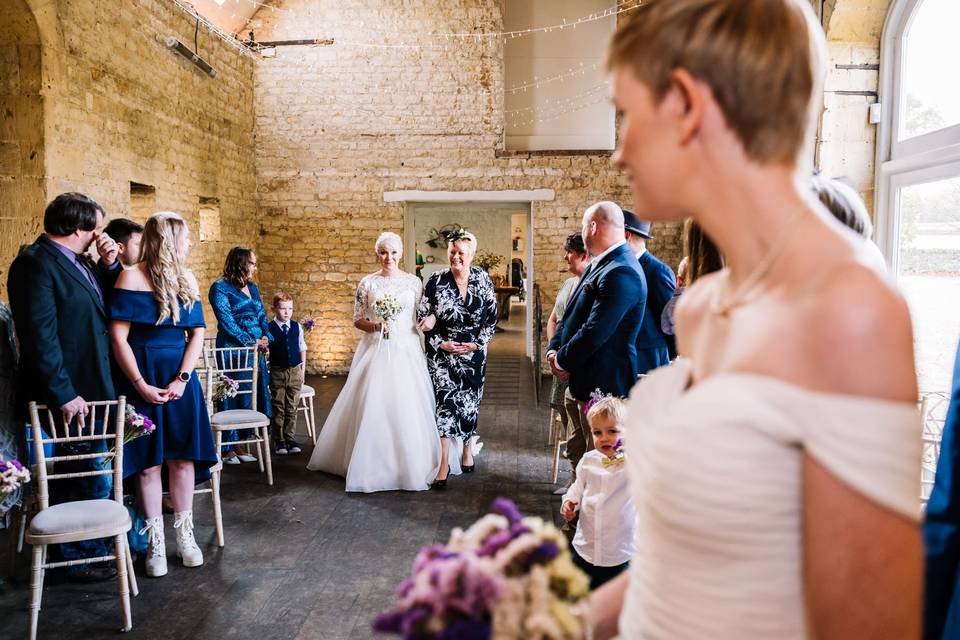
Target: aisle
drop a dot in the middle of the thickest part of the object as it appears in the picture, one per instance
(304, 559)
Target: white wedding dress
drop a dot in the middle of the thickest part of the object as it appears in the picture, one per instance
(381, 433)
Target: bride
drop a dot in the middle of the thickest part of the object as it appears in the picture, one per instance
(381, 433)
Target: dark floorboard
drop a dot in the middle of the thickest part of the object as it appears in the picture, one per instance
(304, 559)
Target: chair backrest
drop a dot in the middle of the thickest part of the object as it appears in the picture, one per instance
(103, 422)
(933, 412)
(235, 363)
(206, 376)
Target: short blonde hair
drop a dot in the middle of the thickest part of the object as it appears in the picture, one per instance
(388, 238)
(609, 407)
(762, 59)
(281, 296)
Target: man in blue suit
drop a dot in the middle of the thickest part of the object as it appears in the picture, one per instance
(654, 348)
(595, 345)
(59, 298)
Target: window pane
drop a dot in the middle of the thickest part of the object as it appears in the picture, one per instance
(931, 94)
(929, 275)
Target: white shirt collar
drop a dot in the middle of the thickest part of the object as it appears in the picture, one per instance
(615, 245)
(282, 324)
(640, 255)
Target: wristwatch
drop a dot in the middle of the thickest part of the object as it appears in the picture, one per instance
(183, 376)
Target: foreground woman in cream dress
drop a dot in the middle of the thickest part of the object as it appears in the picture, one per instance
(381, 433)
(775, 468)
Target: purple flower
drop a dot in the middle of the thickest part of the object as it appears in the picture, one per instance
(388, 622)
(542, 554)
(466, 630)
(500, 539)
(618, 444)
(309, 324)
(412, 620)
(506, 508)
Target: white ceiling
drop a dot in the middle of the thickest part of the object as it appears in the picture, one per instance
(231, 16)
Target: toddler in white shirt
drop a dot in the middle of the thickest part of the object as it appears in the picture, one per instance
(603, 543)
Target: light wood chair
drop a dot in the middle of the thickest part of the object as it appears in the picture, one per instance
(558, 435)
(80, 519)
(307, 394)
(933, 413)
(231, 361)
(206, 376)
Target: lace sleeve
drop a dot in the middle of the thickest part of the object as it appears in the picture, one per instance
(425, 298)
(360, 301)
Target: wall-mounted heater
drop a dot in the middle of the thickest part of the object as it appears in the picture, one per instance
(182, 49)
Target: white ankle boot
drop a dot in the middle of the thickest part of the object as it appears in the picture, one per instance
(157, 547)
(186, 545)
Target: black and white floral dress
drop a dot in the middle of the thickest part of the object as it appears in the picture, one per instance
(458, 380)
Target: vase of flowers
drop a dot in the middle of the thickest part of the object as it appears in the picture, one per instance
(506, 576)
(488, 260)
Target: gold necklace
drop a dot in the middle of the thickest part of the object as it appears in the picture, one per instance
(737, 298)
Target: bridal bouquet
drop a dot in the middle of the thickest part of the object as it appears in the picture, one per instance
(507, 576)
(13, 475)
(387, 307)
(135, 425)
(225, 387)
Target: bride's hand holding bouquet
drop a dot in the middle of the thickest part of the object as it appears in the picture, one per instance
(387, 307)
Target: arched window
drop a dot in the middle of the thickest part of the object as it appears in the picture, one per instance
(918, 174)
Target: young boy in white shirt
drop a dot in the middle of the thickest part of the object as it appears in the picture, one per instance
(603, 543)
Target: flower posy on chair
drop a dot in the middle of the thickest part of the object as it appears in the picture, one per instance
(13, 475)
(507, 576)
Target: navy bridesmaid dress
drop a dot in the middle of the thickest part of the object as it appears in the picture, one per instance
(183, 426)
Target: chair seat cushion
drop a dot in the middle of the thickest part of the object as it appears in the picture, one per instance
(307, 391)
(238, 416)
(78, 516)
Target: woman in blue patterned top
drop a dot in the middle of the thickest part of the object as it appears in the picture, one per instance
(152, 307)
(241, 321)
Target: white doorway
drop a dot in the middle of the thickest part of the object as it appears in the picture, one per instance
(493, 216)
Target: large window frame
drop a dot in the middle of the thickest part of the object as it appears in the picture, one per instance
(899, 163)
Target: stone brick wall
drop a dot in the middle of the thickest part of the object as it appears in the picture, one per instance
(120, 107)
(339, 125)
(22, 191)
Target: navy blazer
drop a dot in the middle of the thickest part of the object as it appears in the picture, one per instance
(941, 531)
(596, 342)
(61, 326)
(654, 349)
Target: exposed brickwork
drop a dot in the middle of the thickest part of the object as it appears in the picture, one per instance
(120, 108)
(337, 126)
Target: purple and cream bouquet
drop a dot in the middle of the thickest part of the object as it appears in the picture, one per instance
(506, 576)
(13, 475)
(308, 325)
(135, 425)
(387, 307)
(225, 387)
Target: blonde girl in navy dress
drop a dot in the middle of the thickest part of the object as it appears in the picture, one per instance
(153, 308)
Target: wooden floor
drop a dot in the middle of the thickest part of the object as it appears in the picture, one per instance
(304, 559)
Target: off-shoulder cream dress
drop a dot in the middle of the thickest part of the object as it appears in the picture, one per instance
(716, 477)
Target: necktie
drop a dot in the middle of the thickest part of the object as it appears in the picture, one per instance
(612, 462)
(285, 328)
(84, 263)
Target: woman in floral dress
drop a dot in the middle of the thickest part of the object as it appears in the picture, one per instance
(458, 314)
